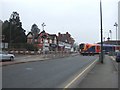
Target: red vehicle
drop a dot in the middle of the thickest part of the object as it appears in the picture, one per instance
(92, 49)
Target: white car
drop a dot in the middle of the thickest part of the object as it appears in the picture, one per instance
(6, 56)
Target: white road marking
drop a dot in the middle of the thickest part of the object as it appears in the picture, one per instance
(113, 58)
(23, 57)
(29, 68)
(79, 75)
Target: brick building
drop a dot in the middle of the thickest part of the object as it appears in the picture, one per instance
(39, 39)
(65, 42)
(51, 42)
(112, 42)
(44, 41)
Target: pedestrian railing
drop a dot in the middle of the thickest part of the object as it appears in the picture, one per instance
(50, 53)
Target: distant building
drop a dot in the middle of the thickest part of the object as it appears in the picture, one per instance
(65, 42)
(119, 20)
(1, 22)
(112, 42)
(53, 42)
(44, 41)
(40, 40)
(29, 37)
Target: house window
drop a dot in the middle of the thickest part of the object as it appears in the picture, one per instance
(54, 41)
(41, 41)
(29, 40)
(46, 41)
(35, 40)
(50, 41)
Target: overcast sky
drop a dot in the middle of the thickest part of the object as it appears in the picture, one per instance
(81, 18)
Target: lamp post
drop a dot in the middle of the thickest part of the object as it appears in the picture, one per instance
(43, 25)
(44, 42)
(101, 55)
(116, 25)
(10, 37)
(108, 37)
(110, 31)
(104, 39)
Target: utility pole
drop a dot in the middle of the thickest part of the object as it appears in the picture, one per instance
(101, 55)
(10, 37)
(116, 25)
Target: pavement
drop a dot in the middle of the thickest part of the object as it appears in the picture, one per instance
(102, 75)
(33, 58)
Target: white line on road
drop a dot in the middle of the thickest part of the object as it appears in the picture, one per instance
(114, 62)
(113, 58)
(29, 68)
(79, 75)
(23, 57)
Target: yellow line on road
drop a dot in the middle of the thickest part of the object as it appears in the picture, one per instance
(79, 75)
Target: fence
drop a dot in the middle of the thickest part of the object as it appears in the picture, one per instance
(24, 52)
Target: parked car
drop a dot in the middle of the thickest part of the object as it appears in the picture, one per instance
(118, 57)
(6, 56)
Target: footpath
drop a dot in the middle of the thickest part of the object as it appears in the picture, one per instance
(102, 75)
(33, 58)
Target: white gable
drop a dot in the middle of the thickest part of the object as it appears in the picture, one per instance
(29, 36)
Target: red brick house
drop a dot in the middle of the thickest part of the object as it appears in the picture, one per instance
(44, 41)
(65, 42)
(39, 39)
(51, 42)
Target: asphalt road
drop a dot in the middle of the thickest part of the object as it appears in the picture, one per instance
(44, 74)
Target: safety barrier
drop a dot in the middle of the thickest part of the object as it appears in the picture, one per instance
(39, 52)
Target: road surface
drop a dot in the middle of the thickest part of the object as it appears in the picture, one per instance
(44, 74)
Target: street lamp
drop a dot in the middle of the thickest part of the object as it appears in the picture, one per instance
(104, 39)
(43, 25)
(101, 56)
(110, 31)
(108, 36)
(116, 25)
(44, 42)
(10, 37)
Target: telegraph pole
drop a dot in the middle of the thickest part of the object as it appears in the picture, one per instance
(101, 55)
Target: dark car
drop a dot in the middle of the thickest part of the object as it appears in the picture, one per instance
(118, 57)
